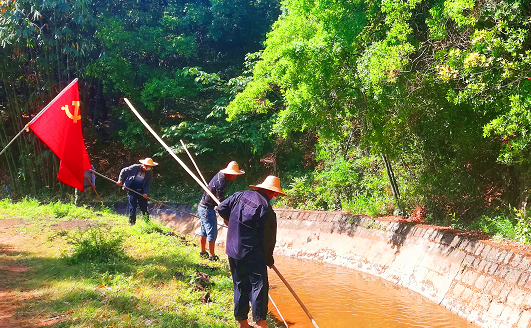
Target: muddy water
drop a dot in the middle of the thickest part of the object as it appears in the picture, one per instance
(340, 297)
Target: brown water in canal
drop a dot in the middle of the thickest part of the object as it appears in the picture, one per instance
(340, 297)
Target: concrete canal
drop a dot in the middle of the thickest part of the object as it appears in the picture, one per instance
(340, 297)
(356, 271)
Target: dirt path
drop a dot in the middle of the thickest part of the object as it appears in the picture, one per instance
(14, 276)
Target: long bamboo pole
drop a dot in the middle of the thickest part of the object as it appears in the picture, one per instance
(204, 186)
(15, 137)
(151, 199)
(171, 152)
(273, 302)
(195, 165)
(93, 186)
(295, 295)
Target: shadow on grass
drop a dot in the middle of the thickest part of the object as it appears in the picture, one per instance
(112, 293)
(13, 271)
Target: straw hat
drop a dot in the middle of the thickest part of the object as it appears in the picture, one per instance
(232, 168)
(270, 183)
(148, 161)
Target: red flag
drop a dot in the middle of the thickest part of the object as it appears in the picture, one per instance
(58, 125)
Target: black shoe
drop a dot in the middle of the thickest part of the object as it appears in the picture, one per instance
(203, 255)
(132, 221)
(214, 258)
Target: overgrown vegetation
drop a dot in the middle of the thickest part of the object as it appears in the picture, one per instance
(100, 272)
(316, 92)
(96, 245)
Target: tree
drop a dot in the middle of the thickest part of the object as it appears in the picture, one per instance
(422, 81)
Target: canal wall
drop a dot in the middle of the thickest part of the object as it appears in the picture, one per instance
(486, 282)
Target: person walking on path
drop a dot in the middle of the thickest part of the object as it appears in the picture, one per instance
(205, 209)
(137, 177)
(251, 238)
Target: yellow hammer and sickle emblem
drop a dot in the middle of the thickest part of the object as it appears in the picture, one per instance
(75, 117)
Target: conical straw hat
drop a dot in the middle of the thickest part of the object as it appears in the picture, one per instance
(270, 183)
(148, 161)
(232, 168)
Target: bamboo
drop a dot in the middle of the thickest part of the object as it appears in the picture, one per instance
(47, 106)
(191, 158)
(172, 153)
(93, 186)
(273, 302)
(15, 137)
(295, 295)
(151, 199)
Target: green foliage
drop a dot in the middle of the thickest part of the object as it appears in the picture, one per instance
(350, 182)
(508, 223)
(302, 69)
(514, 128)
(96, 245)
(149, 51)
(498, 226)
(149, 227)
(427, 83)
(32, 208)
(146, 287)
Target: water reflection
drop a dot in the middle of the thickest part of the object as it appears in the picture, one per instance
(341, 297)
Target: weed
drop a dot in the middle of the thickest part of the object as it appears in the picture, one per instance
(105, 209)
(60, 210)
(96, 245)
(149, 227)
(374, 225)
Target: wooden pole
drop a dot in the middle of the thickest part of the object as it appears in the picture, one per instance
(93, 186)
(151, 199)
(171, 152)
(273, 302)
(15, 137)
(195, 165)
(295, 295)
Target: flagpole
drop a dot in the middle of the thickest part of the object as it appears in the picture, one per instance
(192, 159)
(172, 153)
(18, 134)
(26, 127)
(51, 102)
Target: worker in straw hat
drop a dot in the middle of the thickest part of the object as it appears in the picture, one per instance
(137, 177)
(209, 224)
(251, 238)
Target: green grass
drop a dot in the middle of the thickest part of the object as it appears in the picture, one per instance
(109, 274)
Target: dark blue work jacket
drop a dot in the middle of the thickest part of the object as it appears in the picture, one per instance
(217, 186)
(128, 174)
(252, 225)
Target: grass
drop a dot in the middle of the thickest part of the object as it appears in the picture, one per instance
(108, 274)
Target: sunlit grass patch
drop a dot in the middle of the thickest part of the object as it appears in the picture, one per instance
(96, 245)
(105, 273)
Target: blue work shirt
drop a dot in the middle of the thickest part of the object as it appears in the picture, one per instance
(252, 225)
(217, 186)
(129, 176)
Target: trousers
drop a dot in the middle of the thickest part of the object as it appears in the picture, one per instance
(251, 284)
(134, 201)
